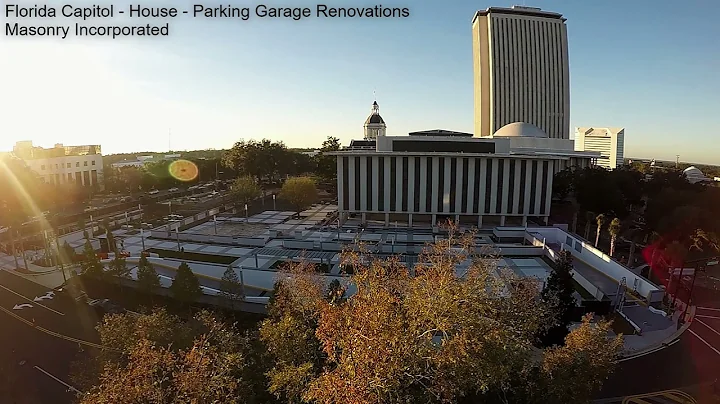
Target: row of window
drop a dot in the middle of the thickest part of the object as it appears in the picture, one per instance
(77, 164)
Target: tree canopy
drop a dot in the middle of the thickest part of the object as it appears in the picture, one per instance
(185, 287)
(147, 277)
(431, 337)
(300, 192)
(245, 189)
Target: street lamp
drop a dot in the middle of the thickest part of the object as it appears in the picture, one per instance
(246, 213)
(274, 202)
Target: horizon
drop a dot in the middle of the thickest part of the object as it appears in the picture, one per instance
(212, 83)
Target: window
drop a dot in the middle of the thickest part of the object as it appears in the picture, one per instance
(93, 162)
(68, 165)
(77, 164)
(85, 163)
(56, 166)
(42, 167)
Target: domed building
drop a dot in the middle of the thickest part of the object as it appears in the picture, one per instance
(694, 175)
(374, 124)
(520, 129)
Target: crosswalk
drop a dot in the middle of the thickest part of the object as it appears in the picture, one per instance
(661, 397)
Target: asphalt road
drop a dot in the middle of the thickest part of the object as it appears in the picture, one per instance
(38, 343)
(691, 361)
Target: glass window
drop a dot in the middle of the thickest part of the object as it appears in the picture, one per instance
(42, 167)
(56, 166)
(85, 163)
(68, 165)
(77, 164)
(93, 162)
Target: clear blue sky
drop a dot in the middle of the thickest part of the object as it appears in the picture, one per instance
(649, 66)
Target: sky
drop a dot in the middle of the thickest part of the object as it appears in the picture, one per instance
(649, 66)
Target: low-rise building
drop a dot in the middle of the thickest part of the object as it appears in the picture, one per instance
(80, 165)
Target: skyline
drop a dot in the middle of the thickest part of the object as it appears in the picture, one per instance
(232, 80)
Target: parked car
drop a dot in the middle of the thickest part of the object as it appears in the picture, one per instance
(153, 192)
(174, 189)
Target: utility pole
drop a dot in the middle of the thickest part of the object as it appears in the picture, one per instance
(677, 160)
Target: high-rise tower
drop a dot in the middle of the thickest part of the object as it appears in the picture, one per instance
(520, 63)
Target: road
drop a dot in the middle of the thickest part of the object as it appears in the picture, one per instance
(42, 334)
(691, 361)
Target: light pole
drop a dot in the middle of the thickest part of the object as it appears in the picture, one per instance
(215, 223)
(698, 267)
(177, 236)
(246, 213)
(142, 238)
(274, 202)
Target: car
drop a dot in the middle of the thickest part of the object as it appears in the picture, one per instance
(153, 192)
(174, 189)
(106, 306)
(90, 209)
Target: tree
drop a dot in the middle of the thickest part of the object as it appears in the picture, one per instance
(263, 160)
(118, 267)
(300, 192)
(158, 358)
(326, 164)
(230, 287)
(589, 217)
(430, 336)
(245, 189)
(91, 264)
(147, 277)
(600, 219)
(68, 252)
(558, 296)
(185, 287)
(562, 183)
(614, 230)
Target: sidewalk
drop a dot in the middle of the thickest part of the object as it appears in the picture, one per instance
(640, 345)
(48, 277)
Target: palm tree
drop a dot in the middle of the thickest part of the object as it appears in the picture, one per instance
(600, 219)
(589, 216)
(614, 230)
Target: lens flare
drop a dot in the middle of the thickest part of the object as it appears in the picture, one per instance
(183, 170)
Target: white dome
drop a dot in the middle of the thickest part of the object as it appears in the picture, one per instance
(693, 175)
(520, 129)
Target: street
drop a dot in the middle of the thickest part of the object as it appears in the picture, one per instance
(693, 360)
(42, 334)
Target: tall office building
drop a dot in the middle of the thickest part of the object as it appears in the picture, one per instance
(520, 61)
(610, 142)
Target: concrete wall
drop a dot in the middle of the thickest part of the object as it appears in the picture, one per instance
(600, 261)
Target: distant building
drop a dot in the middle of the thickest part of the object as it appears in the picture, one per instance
(694, 175)
(610, 142)
(141, 161)
(521, 70)
(81, 165)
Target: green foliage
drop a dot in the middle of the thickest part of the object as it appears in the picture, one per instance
(230, 287)
(118, 267)
(147, 277)
(245, 189)
(300, 192)
(558, 297)
(91, 264)
(185, 287)
(563, 183)
(327, 165)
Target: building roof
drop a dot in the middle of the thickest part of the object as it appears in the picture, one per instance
(519, 10)
(440, 132)
(520, 129)
(694, 175)
(374, 118)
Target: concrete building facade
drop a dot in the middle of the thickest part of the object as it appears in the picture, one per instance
(436, 175)
(521, 70)
(609, 142)
(80, 165)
